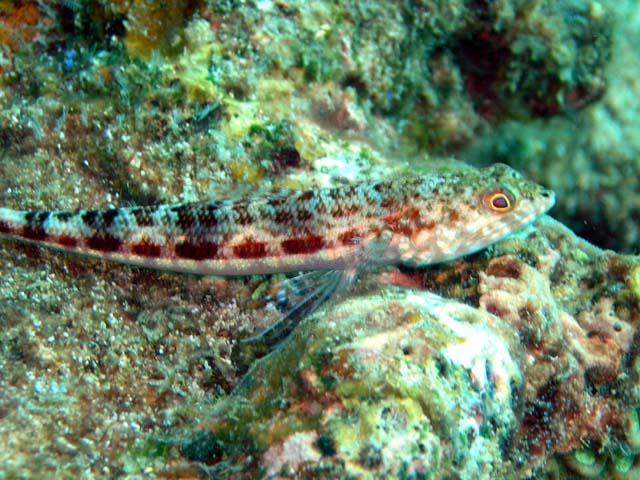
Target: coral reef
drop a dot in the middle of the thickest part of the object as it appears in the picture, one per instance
(211, 71)
(18, 26)
(394, 384)
(529, 368)
(541, 374)
(90, 366)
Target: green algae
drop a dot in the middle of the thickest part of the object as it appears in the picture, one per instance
(586, 457)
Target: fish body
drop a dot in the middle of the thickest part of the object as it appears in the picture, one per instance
(332, 234)
(413, 220)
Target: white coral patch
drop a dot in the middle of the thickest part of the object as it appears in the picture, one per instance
(473, 346)
(291, 454)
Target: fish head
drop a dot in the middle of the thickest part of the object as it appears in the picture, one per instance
(472, 210)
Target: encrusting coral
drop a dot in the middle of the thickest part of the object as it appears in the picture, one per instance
(539, 376)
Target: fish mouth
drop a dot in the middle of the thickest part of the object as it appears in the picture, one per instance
(550, 196)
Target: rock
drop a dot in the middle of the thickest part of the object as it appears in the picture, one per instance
(538, 370)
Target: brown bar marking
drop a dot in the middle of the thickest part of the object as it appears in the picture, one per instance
(344, 211)
(42, 217)
(321, 206)
(283, 217)
(34, 233)
(250, 249)
(66, 241)
(186, 219)
(306, 196)
(146, 248)
(381, 188)
(105, 243)
(430, 225)
(90, 219)
(142, 216)
(303, 215)
(207, 216)
(5, 228)
(197, 250)
(404, 221)
(388, 203)
(242, 214)
(308, 244)
(34, 230)
(108, 216)
(277, 202)
(350, 237)
(64, 216)
(30, 217)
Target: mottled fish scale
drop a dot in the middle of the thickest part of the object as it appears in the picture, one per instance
(416, 219)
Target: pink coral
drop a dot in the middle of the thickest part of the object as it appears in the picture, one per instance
(571, 364)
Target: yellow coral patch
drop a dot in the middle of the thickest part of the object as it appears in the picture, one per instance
(193, 74)
(155, 26)
(245, 171)
(633, 281)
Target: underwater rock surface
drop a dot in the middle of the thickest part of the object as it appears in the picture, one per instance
(396, 383)
(539, 376)
(523, 359)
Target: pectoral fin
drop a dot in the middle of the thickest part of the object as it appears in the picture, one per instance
(295, 298)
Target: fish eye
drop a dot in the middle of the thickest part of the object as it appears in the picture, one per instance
(499, 201)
